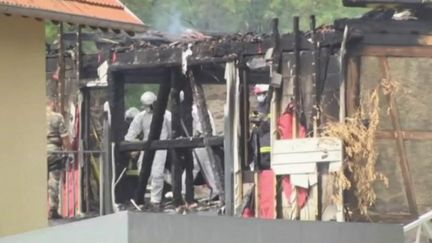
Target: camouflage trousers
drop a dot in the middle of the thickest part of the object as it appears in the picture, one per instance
(53, 177)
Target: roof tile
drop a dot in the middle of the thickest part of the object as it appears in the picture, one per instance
(112, 10)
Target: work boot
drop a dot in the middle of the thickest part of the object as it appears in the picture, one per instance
(192, 205)
(154, 207)
(53, 214)
(182, 209)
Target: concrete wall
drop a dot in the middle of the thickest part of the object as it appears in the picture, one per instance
(107, 229)
(216, 229)
(134, 227)
(23, 190)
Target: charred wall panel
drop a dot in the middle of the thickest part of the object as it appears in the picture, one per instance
(329, 83)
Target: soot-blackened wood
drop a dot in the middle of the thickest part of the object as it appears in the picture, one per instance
(78, 56)
(207, 74)
(276, 62)
(198, 142)
(385, 26)
(116, 102)
(244, 120)
(154, 134)
(61, 84)
(199, 97)
(176, 86)
(296, 71)
(353, 85)
(396, 39)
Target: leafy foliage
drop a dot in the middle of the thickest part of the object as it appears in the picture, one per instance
(235, 15)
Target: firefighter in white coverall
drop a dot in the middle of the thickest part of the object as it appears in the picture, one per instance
(200, 155)
(141, 124)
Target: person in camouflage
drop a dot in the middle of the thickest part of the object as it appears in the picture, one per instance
(57, 139)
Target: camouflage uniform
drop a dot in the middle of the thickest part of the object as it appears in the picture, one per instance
(56, 130)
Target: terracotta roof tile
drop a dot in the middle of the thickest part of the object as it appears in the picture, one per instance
(103, 10)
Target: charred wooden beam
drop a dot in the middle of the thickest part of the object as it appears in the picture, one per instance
(276, 62)
(207, 74)
(366, 3)
(147, 63)
(385, 26)
(213, 52)
(203, 114)
(61, 77)
(296, 71)
(116, 102)
(147, 75)
(353, 85)
(244, 118)
(181, 126)
(154, 134)
(396, 39)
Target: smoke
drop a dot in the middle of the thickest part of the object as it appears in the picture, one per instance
(168, 21)
(175, 26)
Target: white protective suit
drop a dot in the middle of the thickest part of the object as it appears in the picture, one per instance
(141, 123)
(200, 154)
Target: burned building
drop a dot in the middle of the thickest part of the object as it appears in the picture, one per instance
(369, 75)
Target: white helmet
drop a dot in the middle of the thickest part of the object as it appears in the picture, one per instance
(261, 88)
(148, 98)
(131, 112)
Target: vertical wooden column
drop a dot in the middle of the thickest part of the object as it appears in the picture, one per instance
(61, 80)
(114, 125)
(353, 85)
(154, 134)
(199, 97)
(296, 72)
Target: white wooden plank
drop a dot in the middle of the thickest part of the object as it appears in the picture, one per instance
(306, 157)
(307, 144)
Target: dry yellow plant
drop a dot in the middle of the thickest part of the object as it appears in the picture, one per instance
(358, 135)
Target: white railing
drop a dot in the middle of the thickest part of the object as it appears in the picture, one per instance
(423, 229)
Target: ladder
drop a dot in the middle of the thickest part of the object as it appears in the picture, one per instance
(419, 230)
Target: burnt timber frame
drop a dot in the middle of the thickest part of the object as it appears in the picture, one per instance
(366, 38)
(207, 62)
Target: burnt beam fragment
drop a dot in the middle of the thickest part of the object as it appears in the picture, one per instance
(203, 114)
(206, 73)
(385, 26)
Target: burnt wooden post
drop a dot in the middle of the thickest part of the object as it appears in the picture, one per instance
(181, 126)
(61, 79)
(315, 76)
(296, 73)
(322, 169)
(85, 118)
(154, 134)
(199, 97)
(245, 118)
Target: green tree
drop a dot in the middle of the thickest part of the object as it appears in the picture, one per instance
(235, 15)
